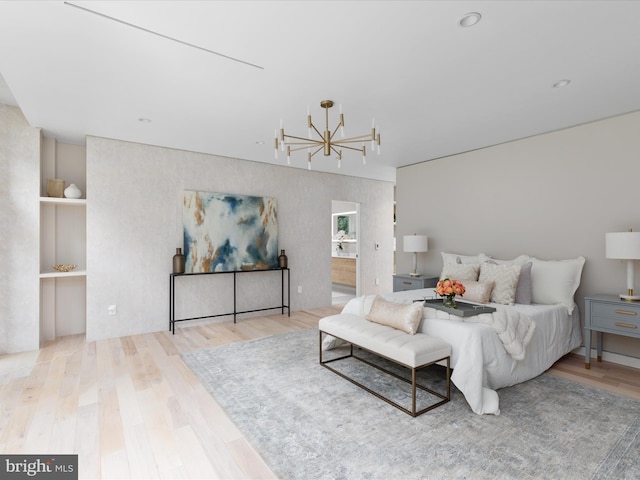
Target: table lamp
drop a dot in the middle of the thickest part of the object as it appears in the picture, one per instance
(625, 246)
(415, 244)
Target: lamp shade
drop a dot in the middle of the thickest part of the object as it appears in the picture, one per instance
(415, 243)
(623, 245)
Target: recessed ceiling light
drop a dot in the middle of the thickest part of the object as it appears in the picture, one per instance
(469, 19)
(144, 120)
(561, 83)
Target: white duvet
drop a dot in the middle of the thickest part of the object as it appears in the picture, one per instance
(480, 360)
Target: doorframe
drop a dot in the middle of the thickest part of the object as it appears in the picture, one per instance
(356, 209)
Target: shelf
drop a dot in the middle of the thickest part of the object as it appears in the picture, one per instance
(63, 201)
(345, 241)
(54, 274)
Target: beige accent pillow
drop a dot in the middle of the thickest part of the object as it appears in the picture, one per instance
(524, 289)
(479, 292)
(460, 271)
(505, 278)
(401, 316)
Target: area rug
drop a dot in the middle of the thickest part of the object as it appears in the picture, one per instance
(309, 423)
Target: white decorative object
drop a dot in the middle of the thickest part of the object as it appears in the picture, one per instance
(415, 244)
(72, 191)
(625, 246)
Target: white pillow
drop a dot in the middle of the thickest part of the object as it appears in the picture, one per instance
(505, 278)
(479, 292)
(460, 271)
(520, 260)
(401, 316)
(555, 282)
(456, 258)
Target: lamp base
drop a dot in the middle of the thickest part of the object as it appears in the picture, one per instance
(630, 298)
(414, 274)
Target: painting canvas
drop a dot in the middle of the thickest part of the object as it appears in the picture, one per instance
(223, 232)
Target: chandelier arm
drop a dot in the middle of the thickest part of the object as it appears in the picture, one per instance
(308, 140)
(361, 150)
(309, 143)
(335, 131)
(304, 147)
(359, 138)
(344, 144)
(321, 148)
(337, 152)
(317, 131)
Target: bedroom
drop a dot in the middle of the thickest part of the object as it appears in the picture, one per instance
(555, 201)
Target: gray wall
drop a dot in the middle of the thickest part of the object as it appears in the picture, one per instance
(552, 196)
(134, 224)
(19, 232)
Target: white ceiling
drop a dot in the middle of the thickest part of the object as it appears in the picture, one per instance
(434, 88)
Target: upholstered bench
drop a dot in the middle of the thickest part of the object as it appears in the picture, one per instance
(411, 351)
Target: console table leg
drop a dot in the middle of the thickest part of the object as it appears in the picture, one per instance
(234, 297)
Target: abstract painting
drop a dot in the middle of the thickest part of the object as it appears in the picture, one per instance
(223, 232)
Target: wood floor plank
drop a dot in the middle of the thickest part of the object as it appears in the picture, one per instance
(87, 441)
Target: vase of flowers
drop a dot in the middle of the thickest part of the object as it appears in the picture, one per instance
(448, 289)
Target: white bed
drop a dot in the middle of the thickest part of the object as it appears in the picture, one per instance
(480, 362)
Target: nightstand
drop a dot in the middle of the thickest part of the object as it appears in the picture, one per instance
(404, 281)
(608, 314)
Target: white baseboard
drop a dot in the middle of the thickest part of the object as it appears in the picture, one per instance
(612, 357)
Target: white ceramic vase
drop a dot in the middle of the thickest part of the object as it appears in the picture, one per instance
(72, 191)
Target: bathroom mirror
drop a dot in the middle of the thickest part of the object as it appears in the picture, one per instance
(345, 222)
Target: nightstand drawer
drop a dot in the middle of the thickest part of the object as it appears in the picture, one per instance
(616, 318)
(406, 282)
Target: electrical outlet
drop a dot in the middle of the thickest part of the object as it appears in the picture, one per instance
(112, 310)
(377, 246)
(299, 288)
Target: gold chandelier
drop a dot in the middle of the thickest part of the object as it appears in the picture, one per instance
(327, 142)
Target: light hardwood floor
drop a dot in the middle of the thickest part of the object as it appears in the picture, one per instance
(130, 408)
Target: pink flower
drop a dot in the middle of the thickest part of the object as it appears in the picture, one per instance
(449, 288)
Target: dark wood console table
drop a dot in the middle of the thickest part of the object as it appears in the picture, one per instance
(172, 293)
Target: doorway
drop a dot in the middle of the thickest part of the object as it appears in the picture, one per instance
(345, 251)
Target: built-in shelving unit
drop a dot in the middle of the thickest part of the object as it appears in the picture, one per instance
(62, 241)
